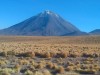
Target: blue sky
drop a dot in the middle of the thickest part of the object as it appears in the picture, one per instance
(84, 14)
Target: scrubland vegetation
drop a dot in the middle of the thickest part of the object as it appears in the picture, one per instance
(50, 55)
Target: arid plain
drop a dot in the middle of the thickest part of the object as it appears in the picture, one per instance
(28, 55)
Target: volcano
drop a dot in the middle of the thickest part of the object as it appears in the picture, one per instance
(46, 23)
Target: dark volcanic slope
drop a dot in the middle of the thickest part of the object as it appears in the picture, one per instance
(95, 32)
(46, 23)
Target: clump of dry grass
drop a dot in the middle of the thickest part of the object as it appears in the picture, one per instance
(69, 68)
(17, 68)
(47, 55)
(28, 72)
(55, 66)
(27, 54)
(50, 65)
(40, 66)
(70, 63)
(63, 54)
(46, 72)
(74, 55)
(60, 69)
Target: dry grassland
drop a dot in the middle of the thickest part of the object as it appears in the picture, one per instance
(28, 55)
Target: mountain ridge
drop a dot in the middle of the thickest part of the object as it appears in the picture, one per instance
(95, 32)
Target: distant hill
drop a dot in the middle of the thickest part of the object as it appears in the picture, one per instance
(45, 23)
(95, 32)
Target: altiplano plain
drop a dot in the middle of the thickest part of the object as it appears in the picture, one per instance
(64, 55)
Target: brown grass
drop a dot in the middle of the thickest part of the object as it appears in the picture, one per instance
(50, 55)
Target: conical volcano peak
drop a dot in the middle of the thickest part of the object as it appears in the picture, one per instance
(48, 12)
(46, 23)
